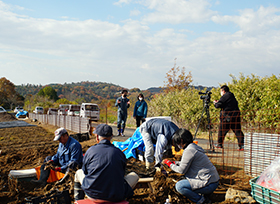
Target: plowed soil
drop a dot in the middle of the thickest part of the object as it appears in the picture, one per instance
(27, 147)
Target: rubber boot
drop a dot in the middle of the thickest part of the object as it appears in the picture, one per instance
(79, 194)
(43, 177)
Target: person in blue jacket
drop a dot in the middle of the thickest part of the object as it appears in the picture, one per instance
(140, 110)
(123, 104)
(69, 156)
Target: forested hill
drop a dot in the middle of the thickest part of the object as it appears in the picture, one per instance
(89, 91)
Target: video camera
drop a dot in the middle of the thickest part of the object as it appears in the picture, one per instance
(206, 97)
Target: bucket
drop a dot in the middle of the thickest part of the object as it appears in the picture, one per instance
(54, 175)
(177, 153)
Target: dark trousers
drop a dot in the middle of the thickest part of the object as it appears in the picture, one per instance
(121, 120)
(139, 119)
(230, 120)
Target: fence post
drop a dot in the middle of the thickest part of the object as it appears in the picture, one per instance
(106, 114)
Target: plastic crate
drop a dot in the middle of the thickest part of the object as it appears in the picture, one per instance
(262, 194)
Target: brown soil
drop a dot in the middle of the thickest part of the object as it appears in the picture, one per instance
(26, 147)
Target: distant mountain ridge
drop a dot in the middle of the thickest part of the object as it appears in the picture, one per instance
(89, 91)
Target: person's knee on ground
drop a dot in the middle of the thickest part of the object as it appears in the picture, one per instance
(184, 188)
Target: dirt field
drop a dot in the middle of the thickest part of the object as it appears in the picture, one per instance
(26, 147)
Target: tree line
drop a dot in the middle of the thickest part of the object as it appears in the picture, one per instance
(258, 98)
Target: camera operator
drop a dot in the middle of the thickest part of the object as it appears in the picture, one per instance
(229, 117)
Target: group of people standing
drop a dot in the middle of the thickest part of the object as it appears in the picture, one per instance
(139, 113)
(100, 172)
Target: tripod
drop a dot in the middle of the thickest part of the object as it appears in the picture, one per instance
(206, 109)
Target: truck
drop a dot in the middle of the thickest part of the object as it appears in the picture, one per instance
(74, 110)
(90, 110)
(62, 109)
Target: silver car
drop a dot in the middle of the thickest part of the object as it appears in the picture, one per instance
(2, 110)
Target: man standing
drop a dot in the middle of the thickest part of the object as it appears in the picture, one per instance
(140, 110)
(159, 132)
(69, 155)
(123, 104)
(229, 117)
(102, 175)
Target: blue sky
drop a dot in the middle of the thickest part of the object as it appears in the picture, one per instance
(135, 43)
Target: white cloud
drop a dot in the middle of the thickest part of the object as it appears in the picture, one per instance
(131, 53)
(135, 12)
(253, 22)
(178, 11)
(121, 2)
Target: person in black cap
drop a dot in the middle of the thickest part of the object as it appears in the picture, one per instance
(102, 175)
(69, 155)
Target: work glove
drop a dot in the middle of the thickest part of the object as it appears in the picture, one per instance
(168, 162)
(148, 165)
(50, 162)
(57, 169)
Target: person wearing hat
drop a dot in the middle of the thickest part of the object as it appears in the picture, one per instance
(69, 155)
(200, 175)
(102, 177)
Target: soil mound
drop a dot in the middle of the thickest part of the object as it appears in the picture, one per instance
(27, 147)
(4, 117)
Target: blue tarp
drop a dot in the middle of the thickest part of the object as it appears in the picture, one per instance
(19, 113)
(132, 143)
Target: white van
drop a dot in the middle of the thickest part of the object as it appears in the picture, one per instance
(90, 110)
(74, 110)
(62, 109)
(39, 110)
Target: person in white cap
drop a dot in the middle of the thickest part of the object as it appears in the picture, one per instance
(69, 155)
(102, 177)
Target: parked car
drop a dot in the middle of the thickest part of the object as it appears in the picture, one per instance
(39, 110)
(18, 109)
(2, 110)
(62, 109)
(74, 110)
(52, 111)
(90, 110)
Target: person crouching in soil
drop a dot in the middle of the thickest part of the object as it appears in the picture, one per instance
(69, 156)
(201, 176)
(102, 177)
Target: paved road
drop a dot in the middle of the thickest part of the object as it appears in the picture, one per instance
(127, 133)
(15, 123)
